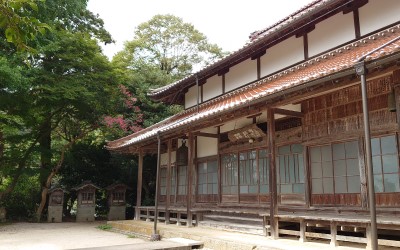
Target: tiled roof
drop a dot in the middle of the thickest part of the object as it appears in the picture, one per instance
(327, 64)
(257, 37)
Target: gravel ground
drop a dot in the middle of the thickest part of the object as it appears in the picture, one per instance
(57, 236)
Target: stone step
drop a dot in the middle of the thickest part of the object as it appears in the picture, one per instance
(234, 219)
(235, 227)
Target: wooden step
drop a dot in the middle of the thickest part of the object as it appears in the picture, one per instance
(235, 227)
(234, 219)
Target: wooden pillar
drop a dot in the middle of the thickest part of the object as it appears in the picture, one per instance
(368, 236)
(396, 87)
(333, 242)
(139, 185)
(191, 152)
(363, 173)
(219, 168)
(168, 193)
(272, 175)
(303, 229)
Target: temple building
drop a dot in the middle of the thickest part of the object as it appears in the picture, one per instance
(274, 132)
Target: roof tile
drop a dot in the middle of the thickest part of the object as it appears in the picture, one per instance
(327, 64)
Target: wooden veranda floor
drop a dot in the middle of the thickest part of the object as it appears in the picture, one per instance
(224, 240)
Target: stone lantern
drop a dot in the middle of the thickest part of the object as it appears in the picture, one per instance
(86, 193)
(116, 201)
(55, 208)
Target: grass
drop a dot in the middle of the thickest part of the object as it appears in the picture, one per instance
(105, 227)
(131, 236)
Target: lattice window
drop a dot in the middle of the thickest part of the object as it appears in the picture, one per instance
(118, 197)
(173, 180)
(385, 161)
(207, 173)
(290, 173)
(229, 174)
(248, 172)
(263, 165)
(87, 197)
(335, 168)
(163, 180)
(182, 180)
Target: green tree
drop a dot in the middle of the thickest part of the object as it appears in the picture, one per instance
(17, 23)
(56, 100)
(169, 45)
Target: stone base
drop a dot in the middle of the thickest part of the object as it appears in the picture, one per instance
(116, 213)
(55, 214)
(155, 237)
(3, 214)
(85, 213)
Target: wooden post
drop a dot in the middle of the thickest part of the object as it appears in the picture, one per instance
(274, 226)
(219, 168)
(303, 229)
(368, 236)
(168, 193)
(363, 173)
(139, 185)
(334, 242)
(189, 179)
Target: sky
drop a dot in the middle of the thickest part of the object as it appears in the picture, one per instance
(225, 23)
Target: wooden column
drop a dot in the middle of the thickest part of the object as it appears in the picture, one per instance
(219, 167)
(272, 175)
(139, 185)
(396, 87)
(303, 230)
(168, 193)
(363, 173)
(333, 242)
(191, 149)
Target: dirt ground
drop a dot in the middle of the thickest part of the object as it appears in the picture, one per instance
(57, 236)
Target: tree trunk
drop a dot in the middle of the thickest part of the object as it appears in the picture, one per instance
(54, 171)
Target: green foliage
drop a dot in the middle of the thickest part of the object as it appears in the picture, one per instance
(21, 204)
(105, 227)
(168, 48)
(89, 161)
(59, 98)
(18, 24)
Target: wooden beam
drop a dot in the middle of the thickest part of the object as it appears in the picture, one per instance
(258, 54)
(305, 30)
(223, 71)
(272, 175)
(289, 113)
(202, 134)
(354, 6)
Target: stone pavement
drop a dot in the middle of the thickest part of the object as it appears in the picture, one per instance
(222, 240)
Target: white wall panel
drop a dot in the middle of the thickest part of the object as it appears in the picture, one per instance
(240, 123)
(164, 159)
(212, 88)
(206, 146)
(377, 14)
(241, 74)
(191, 97)
(282, 55)
(330, 33)
(211, 130)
